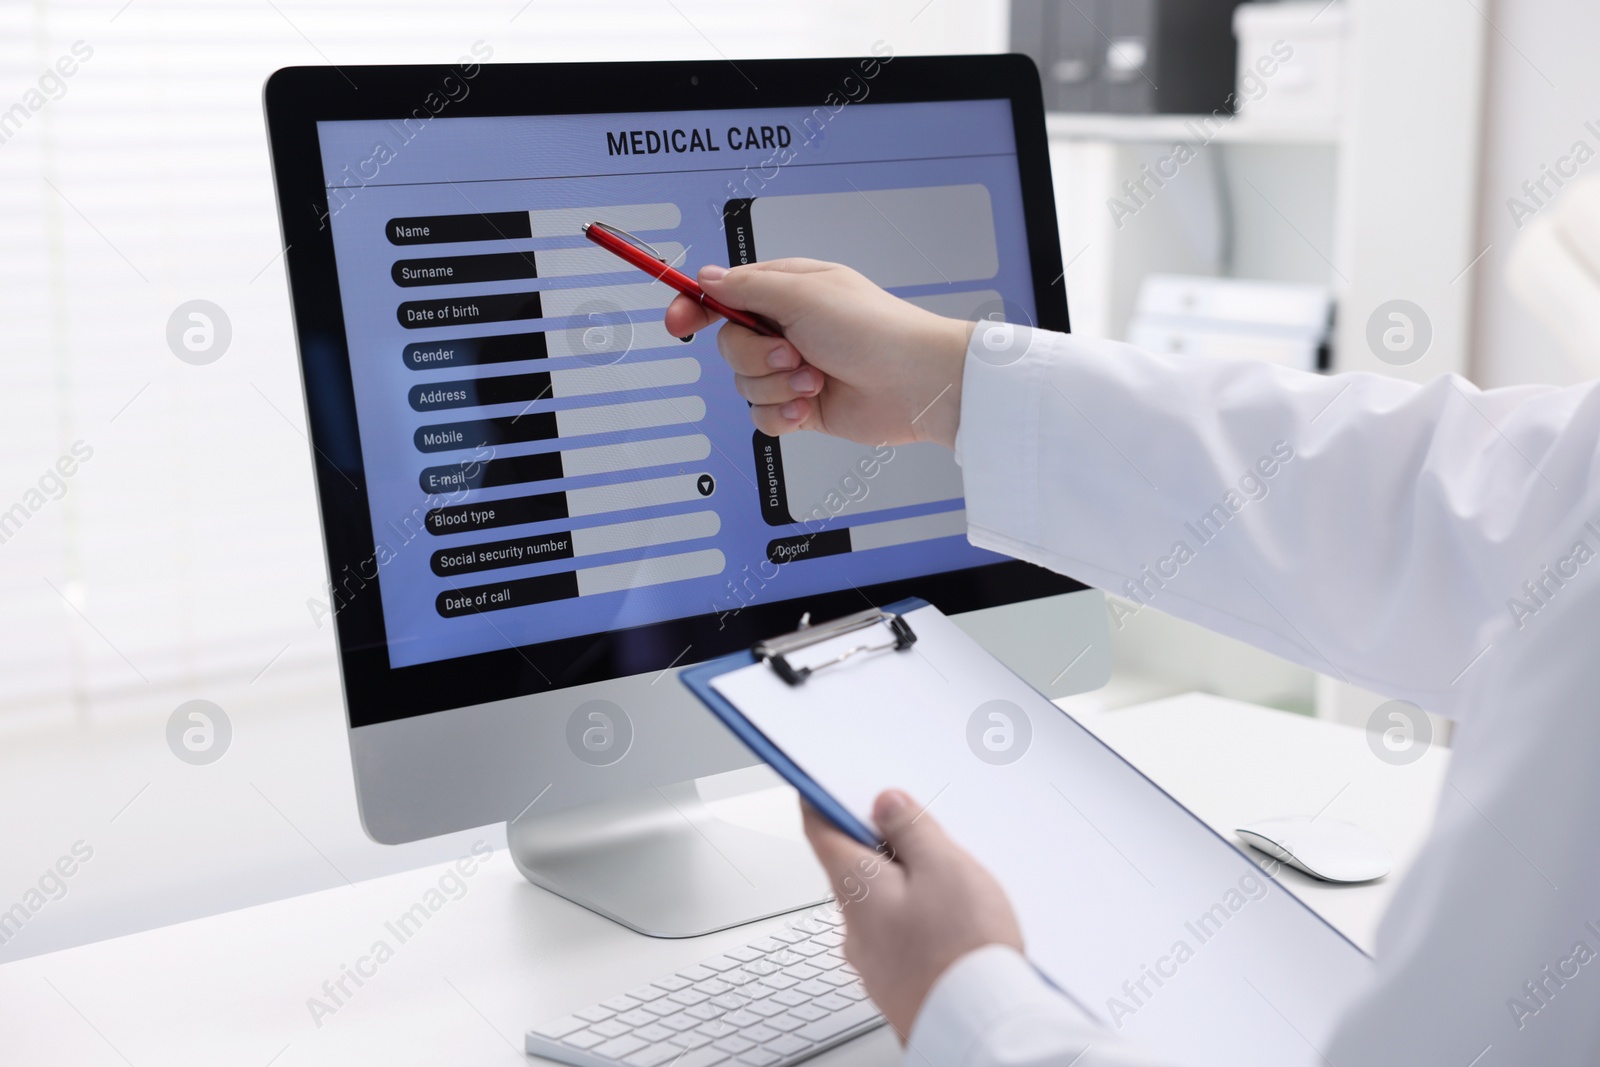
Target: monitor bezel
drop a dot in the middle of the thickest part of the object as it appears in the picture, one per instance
(298, 98)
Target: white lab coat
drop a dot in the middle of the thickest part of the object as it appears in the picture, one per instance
(1391, 548)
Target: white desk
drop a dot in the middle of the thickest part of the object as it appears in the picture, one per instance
(234, 988)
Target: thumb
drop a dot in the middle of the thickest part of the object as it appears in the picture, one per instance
(773, 289)
(911, 832)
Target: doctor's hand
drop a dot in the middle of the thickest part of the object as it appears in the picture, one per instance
(912, 909)
(854, 361)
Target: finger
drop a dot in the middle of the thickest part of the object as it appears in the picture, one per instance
(777, 289)
(846, 861)
(911, 832)
(775, 420)
(777, 388)
(686, 315)
(835, 849)
(793, 265)
(752, 354)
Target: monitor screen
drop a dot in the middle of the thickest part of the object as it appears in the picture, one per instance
(541, 459)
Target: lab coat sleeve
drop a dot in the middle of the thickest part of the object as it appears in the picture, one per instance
(991, 1009)
(1376, 530)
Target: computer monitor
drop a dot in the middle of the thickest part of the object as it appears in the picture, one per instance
(537, 504)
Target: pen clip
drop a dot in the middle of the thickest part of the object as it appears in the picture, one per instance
(776, 650)
(624, 235)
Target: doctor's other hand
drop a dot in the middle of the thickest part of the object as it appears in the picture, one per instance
(912, 909)
(854, 361)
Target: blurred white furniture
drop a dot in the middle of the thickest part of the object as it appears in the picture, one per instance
(496, 955)
(1229, 318)
(1554, 272)
(1309, 83)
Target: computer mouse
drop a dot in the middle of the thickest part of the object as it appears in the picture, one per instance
(1328, 849)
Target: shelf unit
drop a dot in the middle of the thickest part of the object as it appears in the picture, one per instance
(1378, 206)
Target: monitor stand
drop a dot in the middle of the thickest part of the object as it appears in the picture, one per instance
(662, 863)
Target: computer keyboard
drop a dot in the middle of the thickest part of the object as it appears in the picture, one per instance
(770, 1003)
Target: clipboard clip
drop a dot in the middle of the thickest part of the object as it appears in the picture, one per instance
(776, 650)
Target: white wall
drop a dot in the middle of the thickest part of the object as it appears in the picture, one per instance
(1543, 85)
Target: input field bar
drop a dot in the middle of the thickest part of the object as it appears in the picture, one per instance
(589, 581)
(554, 385)
(610, 339)
(625, 496)
(509, 266)
(513, 225)
(868, 536)
(599, 299)
(539, 304)
(567, 544)
(596, 342)
(580, 422)
(567, 221)
(568, 463)
(571, 503)
(561, 262)
(658, 570)
(570, 422)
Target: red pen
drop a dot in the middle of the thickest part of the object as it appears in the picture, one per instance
(627, 246)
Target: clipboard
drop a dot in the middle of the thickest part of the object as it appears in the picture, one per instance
(1138, 911)
(776, 651)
